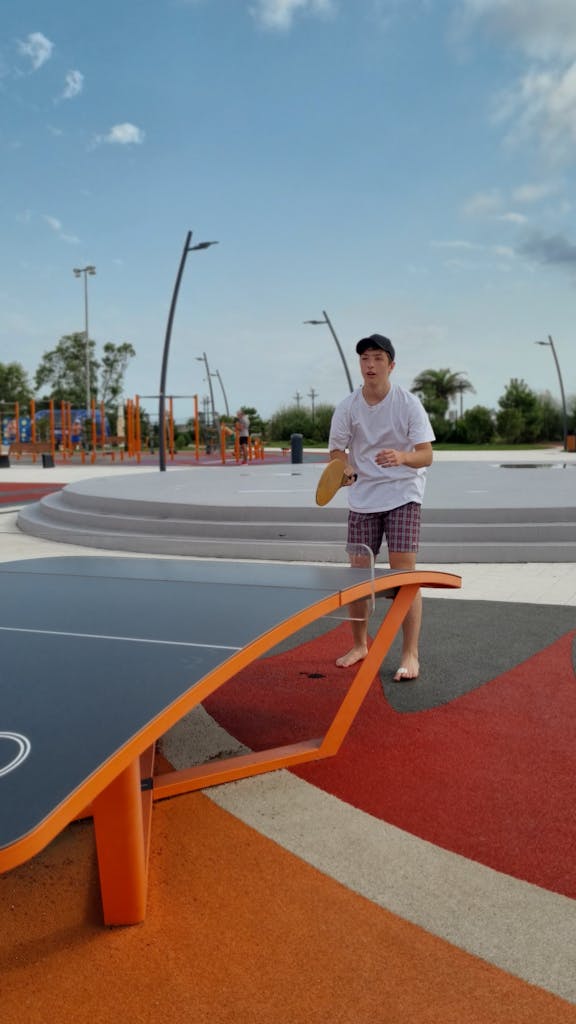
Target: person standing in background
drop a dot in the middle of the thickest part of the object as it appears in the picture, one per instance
(243, 427)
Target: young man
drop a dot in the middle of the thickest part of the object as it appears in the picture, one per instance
(381, 433)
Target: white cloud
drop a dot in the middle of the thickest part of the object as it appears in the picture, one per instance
(540, 28)
(542, 108)
(454, 245)
(122, 135)
(74, 85)
(512, 218)
(502, 251)
(279, 14)
(533, 193)
(483, 203)
(56, 226)
(37, 48)
(489, 204)
(52, 222)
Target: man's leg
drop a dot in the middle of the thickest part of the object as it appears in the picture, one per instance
(366, 530)
(359, 624)
(409, 663)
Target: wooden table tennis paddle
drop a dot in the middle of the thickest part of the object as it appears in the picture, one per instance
(331, 480)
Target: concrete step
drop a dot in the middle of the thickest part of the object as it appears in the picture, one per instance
(473, 513)
(289, 541)
(108, 504)
(293, 526)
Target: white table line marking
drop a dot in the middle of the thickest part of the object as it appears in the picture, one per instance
(127, 639)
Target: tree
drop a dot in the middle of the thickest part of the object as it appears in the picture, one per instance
(438, 387)
(14, 384)
(322, 419)
(552, 426)
(520, 417)
(113, 370)
(63, 371)
(510, 426)
(288, 420)
(475, 426)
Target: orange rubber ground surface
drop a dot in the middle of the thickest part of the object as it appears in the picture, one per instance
(238, 930)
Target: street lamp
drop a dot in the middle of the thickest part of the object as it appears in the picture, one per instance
(204, 359)
(78, 272)
(326, 321)
(162, 397)
(217, 374)
(550, 344)
(312, 395)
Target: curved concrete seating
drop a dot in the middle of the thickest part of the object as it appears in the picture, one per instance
(473, 512)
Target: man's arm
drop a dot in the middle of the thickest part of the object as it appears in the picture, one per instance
(420, 456)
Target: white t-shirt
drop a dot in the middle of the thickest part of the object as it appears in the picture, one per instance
(399, 421)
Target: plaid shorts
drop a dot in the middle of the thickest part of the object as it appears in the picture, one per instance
(401, 526)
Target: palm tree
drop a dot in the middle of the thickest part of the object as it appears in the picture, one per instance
(437, 387)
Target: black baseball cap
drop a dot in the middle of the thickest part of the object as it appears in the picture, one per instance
(376, 341)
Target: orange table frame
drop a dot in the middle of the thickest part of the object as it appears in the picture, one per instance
(120, 795)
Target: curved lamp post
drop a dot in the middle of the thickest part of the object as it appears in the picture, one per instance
(204, 359)
(78, 272)
(550, 344)
(217, 374)
(326, 321)
(162, 396)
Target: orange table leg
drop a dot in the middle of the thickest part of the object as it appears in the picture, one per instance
(364, 677)
(121, 825)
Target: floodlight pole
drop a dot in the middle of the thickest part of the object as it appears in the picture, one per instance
(78, 272)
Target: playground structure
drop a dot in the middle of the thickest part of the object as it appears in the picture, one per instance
(219, 440)
(58, 433)
(58, 430)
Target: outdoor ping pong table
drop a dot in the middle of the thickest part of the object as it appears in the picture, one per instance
(102, 655)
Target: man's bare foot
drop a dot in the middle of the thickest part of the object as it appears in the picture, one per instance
(354, 655)
(408, 670)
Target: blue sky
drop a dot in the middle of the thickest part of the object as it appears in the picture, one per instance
(405, 165)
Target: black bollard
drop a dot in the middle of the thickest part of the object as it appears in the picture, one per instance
(296, 447)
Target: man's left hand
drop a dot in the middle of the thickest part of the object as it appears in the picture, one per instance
(390, 457)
